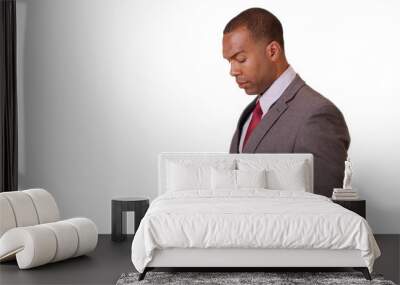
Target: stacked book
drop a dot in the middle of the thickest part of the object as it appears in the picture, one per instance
(344, 194)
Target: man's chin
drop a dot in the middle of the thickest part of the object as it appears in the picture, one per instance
(250, 92)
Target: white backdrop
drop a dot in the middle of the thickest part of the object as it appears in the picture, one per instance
(104, 86)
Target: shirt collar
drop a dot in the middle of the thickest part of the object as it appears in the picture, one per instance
(277, 88)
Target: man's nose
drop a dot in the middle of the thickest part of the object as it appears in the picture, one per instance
(235, 71)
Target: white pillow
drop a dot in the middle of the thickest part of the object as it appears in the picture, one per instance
(251, 178)
(281, 174)
(189, 174)
(187, 177)
(223, 178)
(291, 178)
(237, 179)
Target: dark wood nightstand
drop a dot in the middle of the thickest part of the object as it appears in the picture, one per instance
(119, 207)
(357, 206)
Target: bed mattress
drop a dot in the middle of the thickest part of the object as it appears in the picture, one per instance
(250, 219)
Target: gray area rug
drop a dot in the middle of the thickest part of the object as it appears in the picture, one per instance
(225, 278)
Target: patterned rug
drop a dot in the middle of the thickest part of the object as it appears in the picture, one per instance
(270, 278)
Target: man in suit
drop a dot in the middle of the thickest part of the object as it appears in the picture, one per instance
(287, 115)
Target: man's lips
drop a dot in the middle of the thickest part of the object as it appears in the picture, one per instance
(242, 83)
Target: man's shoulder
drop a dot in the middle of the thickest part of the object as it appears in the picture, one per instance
(312, 101)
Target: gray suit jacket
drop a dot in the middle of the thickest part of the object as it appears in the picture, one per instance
(302, 121)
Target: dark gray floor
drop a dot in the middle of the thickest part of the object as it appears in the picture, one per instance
(111, 259)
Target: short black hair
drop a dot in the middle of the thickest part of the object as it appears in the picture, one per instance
(261, 23)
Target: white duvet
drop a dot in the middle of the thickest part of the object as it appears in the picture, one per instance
(250, 218)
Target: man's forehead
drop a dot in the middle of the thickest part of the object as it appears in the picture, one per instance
(235, 42)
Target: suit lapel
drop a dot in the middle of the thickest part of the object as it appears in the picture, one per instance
(246, 113)
(272, 115)
(243, 117)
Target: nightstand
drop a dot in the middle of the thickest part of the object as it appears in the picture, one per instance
(357, 206)
(119, 207)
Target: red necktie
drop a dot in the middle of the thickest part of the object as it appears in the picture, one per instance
(255, 119)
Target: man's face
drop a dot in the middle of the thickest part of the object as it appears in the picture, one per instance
(252, 67)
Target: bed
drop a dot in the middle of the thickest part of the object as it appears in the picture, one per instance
(246, 211)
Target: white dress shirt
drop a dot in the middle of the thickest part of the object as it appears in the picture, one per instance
(269, 97)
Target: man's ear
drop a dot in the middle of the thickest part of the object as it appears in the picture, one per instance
(273, 50)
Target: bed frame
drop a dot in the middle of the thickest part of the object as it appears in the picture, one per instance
(248, 259)
(242, 259)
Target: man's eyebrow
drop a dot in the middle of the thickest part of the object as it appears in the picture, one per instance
(235, 54)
